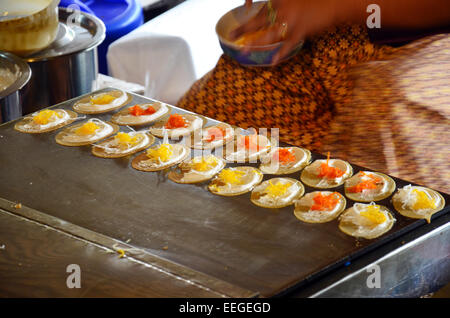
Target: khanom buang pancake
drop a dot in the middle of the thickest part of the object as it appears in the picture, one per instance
(160, 157)
(368, 221)
(277, 193)
(235, 181)
(102, 102)
(177, 125)
(367, 186)
(198, 169)
(45, 120)
(418, 202)
(319, 206)
(123, 144)
(140, 114)
(211, 137)
(285, 160)
(325, 174)
(247, 148)
(86, 133)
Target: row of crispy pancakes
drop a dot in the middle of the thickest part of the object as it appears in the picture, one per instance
(366, 219)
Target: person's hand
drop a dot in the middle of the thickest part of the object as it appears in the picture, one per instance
(294, 20)
(258, 22)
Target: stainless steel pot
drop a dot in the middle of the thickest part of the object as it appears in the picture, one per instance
(11, 99)
(68, 67)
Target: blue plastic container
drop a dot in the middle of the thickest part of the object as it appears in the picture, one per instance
(81, 5)
(119, 16)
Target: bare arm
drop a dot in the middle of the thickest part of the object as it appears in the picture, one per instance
(307, 17)
(412, 14)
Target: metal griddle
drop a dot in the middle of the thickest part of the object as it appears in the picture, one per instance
(262, 251)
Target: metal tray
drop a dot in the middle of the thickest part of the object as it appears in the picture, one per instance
(268, 252)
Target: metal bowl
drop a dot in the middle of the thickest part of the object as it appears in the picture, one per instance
(257, 55)
(11, 98)
(68, 67)
(27, 26)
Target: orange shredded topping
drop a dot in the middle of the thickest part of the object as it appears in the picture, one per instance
(329, 172)
(325, 202)
(250, 142)
(215, 133)
(372, 183)
(284, 156)
(137, 110)
(175, 121)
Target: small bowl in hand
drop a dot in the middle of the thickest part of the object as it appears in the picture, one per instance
(253, 55)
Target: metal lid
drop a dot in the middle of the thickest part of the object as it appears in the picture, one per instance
(77, 32)
(17, 66)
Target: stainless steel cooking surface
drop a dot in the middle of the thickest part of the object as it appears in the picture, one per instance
(268, 252)
(68, 67)
(12, 97)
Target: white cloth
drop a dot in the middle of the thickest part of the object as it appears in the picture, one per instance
(104, 81)
(168, 53)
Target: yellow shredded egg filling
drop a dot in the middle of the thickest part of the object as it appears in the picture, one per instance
(102, 99)
(88, 128)
(204, 164)
(278, 189)
(46, 116)
(125, 139)
(374, 214)
(231, 176)
(423, 201)
(163, 152)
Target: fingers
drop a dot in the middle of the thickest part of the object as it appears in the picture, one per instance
(248, 4)
(254, 24)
